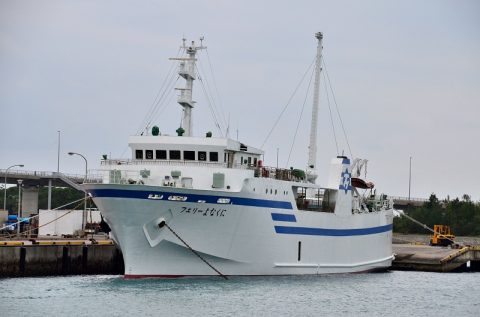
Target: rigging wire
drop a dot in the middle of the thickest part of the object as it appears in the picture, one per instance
(330, 111)
(289, 100)
(210, 95)
(167, 100)
(158, 111)
(161, 102)
(151, 110)
(212, 111)
(216, 87)
(336, 106)
(300, 118)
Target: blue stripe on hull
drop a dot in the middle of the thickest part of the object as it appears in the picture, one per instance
(191, 198)
(283, 217)
(331, 232)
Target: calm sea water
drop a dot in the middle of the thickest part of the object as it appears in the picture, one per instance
(380, 294)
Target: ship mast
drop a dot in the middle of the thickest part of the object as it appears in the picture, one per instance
(312, 148)
(187, 71)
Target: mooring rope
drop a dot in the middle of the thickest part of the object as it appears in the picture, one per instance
(68, 212)
(38, 215)
(404, 214)
(195, 252)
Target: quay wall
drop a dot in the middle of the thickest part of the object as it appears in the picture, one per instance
(47, 260)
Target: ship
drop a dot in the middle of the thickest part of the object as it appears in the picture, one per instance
(186, 205)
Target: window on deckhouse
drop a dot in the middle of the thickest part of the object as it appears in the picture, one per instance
(315, 199)
(174, 155)
(161, 154)
(139, 154)
(149, 154)
(189, 155)
(213, 156)
(202, 156)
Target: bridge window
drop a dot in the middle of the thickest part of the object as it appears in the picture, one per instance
(324, 199)
(202, 156)
(249, 160)
(149, 154)
(161, 154)
(213, 156)
(139, 154)
(189, 155)
(174, 155)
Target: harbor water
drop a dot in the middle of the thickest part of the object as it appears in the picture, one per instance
(377, 294)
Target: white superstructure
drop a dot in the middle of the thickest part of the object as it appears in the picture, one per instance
(187, 206)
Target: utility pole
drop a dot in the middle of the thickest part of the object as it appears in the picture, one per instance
(58, 152)
(409, 179)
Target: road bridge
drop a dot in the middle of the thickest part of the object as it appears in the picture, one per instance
(32, 180)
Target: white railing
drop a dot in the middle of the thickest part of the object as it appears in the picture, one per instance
(120, 162)
(276, 173)
(115, 176)
(398, 198)
(44, 174)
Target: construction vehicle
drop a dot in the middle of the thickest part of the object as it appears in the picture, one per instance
(442, 236)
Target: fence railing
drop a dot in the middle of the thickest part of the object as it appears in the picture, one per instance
(46, 174)
(398, 198)
(119, 162)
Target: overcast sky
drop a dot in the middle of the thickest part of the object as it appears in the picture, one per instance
(406, 77)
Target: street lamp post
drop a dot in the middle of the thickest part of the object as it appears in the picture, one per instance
(84, 181)
(5, 191)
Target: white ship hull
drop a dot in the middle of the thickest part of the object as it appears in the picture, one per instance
(248, 236)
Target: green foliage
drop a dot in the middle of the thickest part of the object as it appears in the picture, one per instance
(463, 216)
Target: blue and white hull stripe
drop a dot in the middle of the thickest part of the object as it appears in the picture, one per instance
(190, 198)
(332, 232)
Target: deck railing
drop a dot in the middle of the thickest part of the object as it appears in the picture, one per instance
(111, 162)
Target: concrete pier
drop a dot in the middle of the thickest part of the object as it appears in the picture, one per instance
(59, 258)
(435, 259)
(71, 257)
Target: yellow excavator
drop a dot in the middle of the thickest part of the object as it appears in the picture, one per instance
(442, 236)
